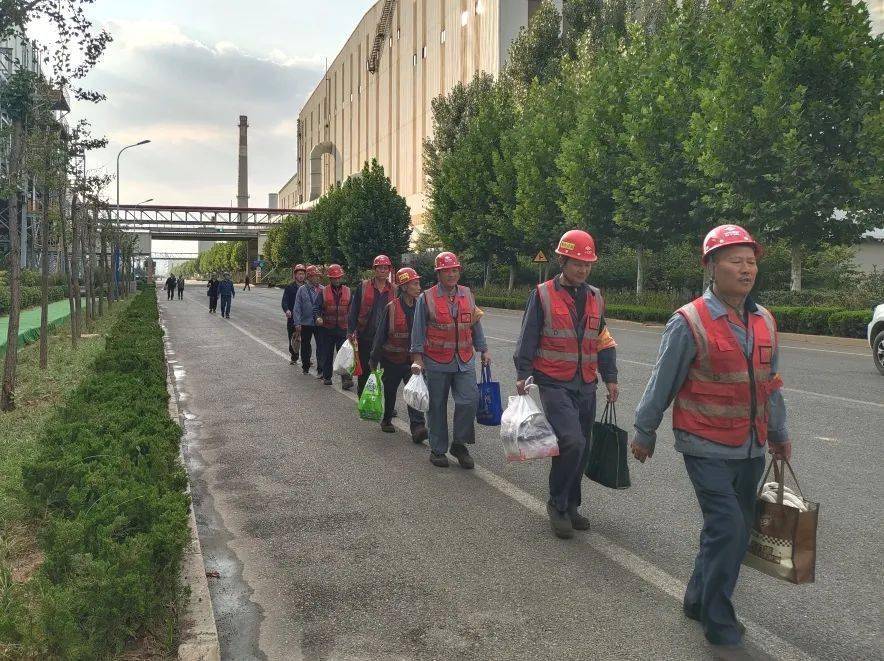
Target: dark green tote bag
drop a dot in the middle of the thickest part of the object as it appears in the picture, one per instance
(607, 453)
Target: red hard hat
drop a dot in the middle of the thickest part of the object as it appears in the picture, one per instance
(727, 235)
(335, 271)
(298, 267)
(446, 260)
(382, 260)
(578, 245)
(406, 275)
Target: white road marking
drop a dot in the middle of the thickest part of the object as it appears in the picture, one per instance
(761, 637)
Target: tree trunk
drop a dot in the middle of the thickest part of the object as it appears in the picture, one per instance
(106, 269)
(44, 280)
(67, 264)
(488, 269)
(96, 267)
(639, 270)
(512, 282)
(87, 268)
(797, 260)
(75, 269)
(7, 396)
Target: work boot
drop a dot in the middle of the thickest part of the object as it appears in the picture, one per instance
(578, 521)
(692, 614)
(439, 460)
(388, 427)
(292, 361)
(462, 455)
(419, 434)
(327, 382)
(561, 524)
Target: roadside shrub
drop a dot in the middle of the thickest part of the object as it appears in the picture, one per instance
(816, 320)
(30, 297)
(848, 323)
(111, 486)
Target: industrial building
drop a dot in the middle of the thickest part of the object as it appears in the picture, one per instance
(375, 98)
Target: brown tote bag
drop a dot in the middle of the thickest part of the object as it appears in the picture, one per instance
(783, 541)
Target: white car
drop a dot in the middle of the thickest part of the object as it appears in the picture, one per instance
(876, 337)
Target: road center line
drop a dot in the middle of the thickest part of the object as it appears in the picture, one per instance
(837, 398)
(761, 637)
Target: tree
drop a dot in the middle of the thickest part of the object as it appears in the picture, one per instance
(321, 236)
(374, 218)
(285, 242)
(785, 110)
(536, 52)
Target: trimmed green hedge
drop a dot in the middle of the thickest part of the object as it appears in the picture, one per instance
(808, 320)
(112, 489)
(30, 296)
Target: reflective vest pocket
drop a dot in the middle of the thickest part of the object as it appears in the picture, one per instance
(724, 344)
(725, 391)
(765, 354)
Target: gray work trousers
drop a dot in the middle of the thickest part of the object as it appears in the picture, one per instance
(462, 385)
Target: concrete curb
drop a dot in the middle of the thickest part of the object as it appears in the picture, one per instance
(199, 633)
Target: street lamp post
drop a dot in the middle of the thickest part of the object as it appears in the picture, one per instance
(119, 153)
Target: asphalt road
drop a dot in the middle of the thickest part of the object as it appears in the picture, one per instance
(337, 541)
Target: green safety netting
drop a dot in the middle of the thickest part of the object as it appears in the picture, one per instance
(29, 323)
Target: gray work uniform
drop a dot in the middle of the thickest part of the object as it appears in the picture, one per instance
(457, 377)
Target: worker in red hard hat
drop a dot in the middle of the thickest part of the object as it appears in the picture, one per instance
(564, 345)
(366, 306)
(331, 316)
(445, 336)
(392, 350)
(718, 363)
(304, 317)
(289, 295)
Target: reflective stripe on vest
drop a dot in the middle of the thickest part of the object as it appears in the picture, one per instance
(366, 302)
(559, 353)
(444, 334)
(715, 401)
(398, 342)
(334, 313)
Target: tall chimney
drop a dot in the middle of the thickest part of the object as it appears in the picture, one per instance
(242, 189)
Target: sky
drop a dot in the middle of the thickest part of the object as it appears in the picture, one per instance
(181, 73)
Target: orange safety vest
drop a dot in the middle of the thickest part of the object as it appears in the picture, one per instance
(334, 312)
(396, 348)
(367, 301)
(445, 335)
(715, 401)
(559, 352)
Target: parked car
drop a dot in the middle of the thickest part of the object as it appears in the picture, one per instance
(876, 337)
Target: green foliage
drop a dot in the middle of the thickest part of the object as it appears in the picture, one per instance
(375, 219)
(849, 323)
(536, 53)
(285, 242)
(321, 245)
(112, 488)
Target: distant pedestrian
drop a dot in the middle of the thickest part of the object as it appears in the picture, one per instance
(170, 287)
(289, 295)
(248, 284)
(227, 291)
(212, 293)
(304, 316)
(181, 288)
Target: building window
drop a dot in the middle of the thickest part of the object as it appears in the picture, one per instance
(398, 34)
(479, 6)
(391, 42)
(442, 36)
(424, 53)
(464, 17)
(414, 60)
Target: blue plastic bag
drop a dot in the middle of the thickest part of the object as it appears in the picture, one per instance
(490, 407)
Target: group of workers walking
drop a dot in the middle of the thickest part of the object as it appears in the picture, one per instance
(220, 288)
(173, 284)
(717, 366)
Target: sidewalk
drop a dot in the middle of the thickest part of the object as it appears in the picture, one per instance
(29, 323)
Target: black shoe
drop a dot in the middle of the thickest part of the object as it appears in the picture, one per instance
(419, 434)
(692, 614)
(327, 382)
(346, 384)
(439, 460)
(578, 521)
(561, 524)
(320, 377)
(292, 361)
(462, 455)
(388, 427)
(306, 372)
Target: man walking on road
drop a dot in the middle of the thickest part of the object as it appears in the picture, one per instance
(289, 295)
(212, 293)
(443, 338)
(248, 284)
(304, 316)
(368, 303)
(180, 284)
(227, 291)
(331, 314)
(563, 345)
(392, 343)
(718, 361)
(170, 287)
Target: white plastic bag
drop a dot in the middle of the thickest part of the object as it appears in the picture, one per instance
(416, 394)
(525, 431)
(345, 360)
